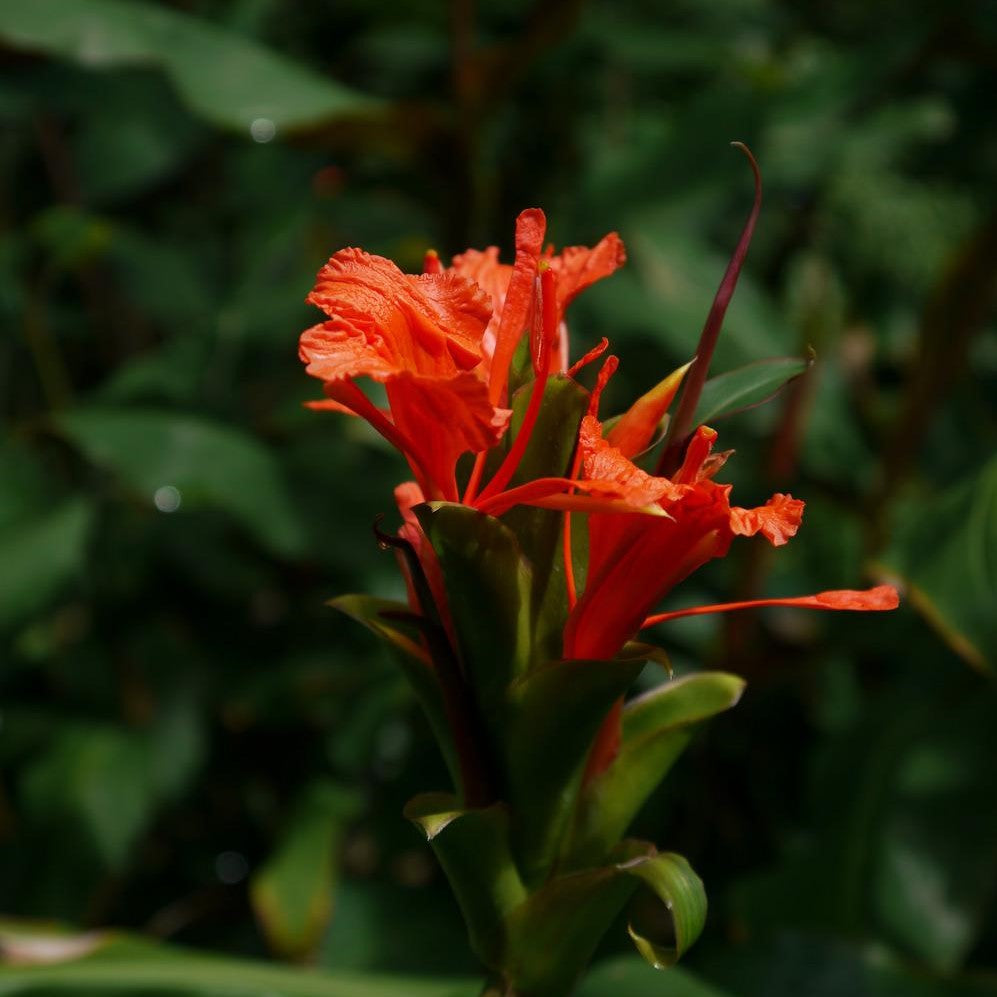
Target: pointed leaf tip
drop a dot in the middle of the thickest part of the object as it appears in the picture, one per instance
(635, 430)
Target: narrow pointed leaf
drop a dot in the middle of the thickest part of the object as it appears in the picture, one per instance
(549, 454)
(656, 729)
(473, 848)
(545, 758)
(487, 583)
(746, 387)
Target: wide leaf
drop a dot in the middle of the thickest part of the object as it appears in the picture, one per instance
(186, 462)
(224, 77)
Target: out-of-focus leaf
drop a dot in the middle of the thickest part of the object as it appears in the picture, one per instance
(134, 134)
(473, 848)
(746, 387)
(71, 236)
(681, 275)
(204, 463)
(797, 963)
(392, 622)
(227, 79)
(945, 553)
(887, 795)
(39, 555)
(95, 778)
(293, 893)
(625, 976)
(545, 759)
(177, 745)
(120, 964)
(657, 726)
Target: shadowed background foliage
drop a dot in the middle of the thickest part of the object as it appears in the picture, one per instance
(193, 746)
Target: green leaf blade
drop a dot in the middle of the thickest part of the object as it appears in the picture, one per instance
(227, 79)
(209, 464)
(746, 387)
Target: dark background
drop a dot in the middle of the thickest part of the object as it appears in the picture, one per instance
(184, 727)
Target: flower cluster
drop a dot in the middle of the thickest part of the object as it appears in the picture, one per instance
(443, 343)
(535, 548)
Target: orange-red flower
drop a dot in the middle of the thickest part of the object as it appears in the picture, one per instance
(419, 336)
(441, 343)
(634, 560)
(677, 525)
(511, 286)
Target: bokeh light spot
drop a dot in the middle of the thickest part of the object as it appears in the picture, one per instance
(167, 498)
(262, 129)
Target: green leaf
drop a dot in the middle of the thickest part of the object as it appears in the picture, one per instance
(549, 454)
(392, 621)
(628, 976)
(554, 933)
(554, 713)
(473, 848)
(680, 890)
(943, 550)
(225, 78)
(112, 963)
(292, 893)
(208, 464)
(656, 729)
(488, 593)
(880, 857)
(134, 134)
(746, 387)
(96, 779)
(39, 555)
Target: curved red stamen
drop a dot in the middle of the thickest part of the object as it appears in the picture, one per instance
(593, 354)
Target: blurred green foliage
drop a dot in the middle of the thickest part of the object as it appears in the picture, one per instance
(185, 728)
